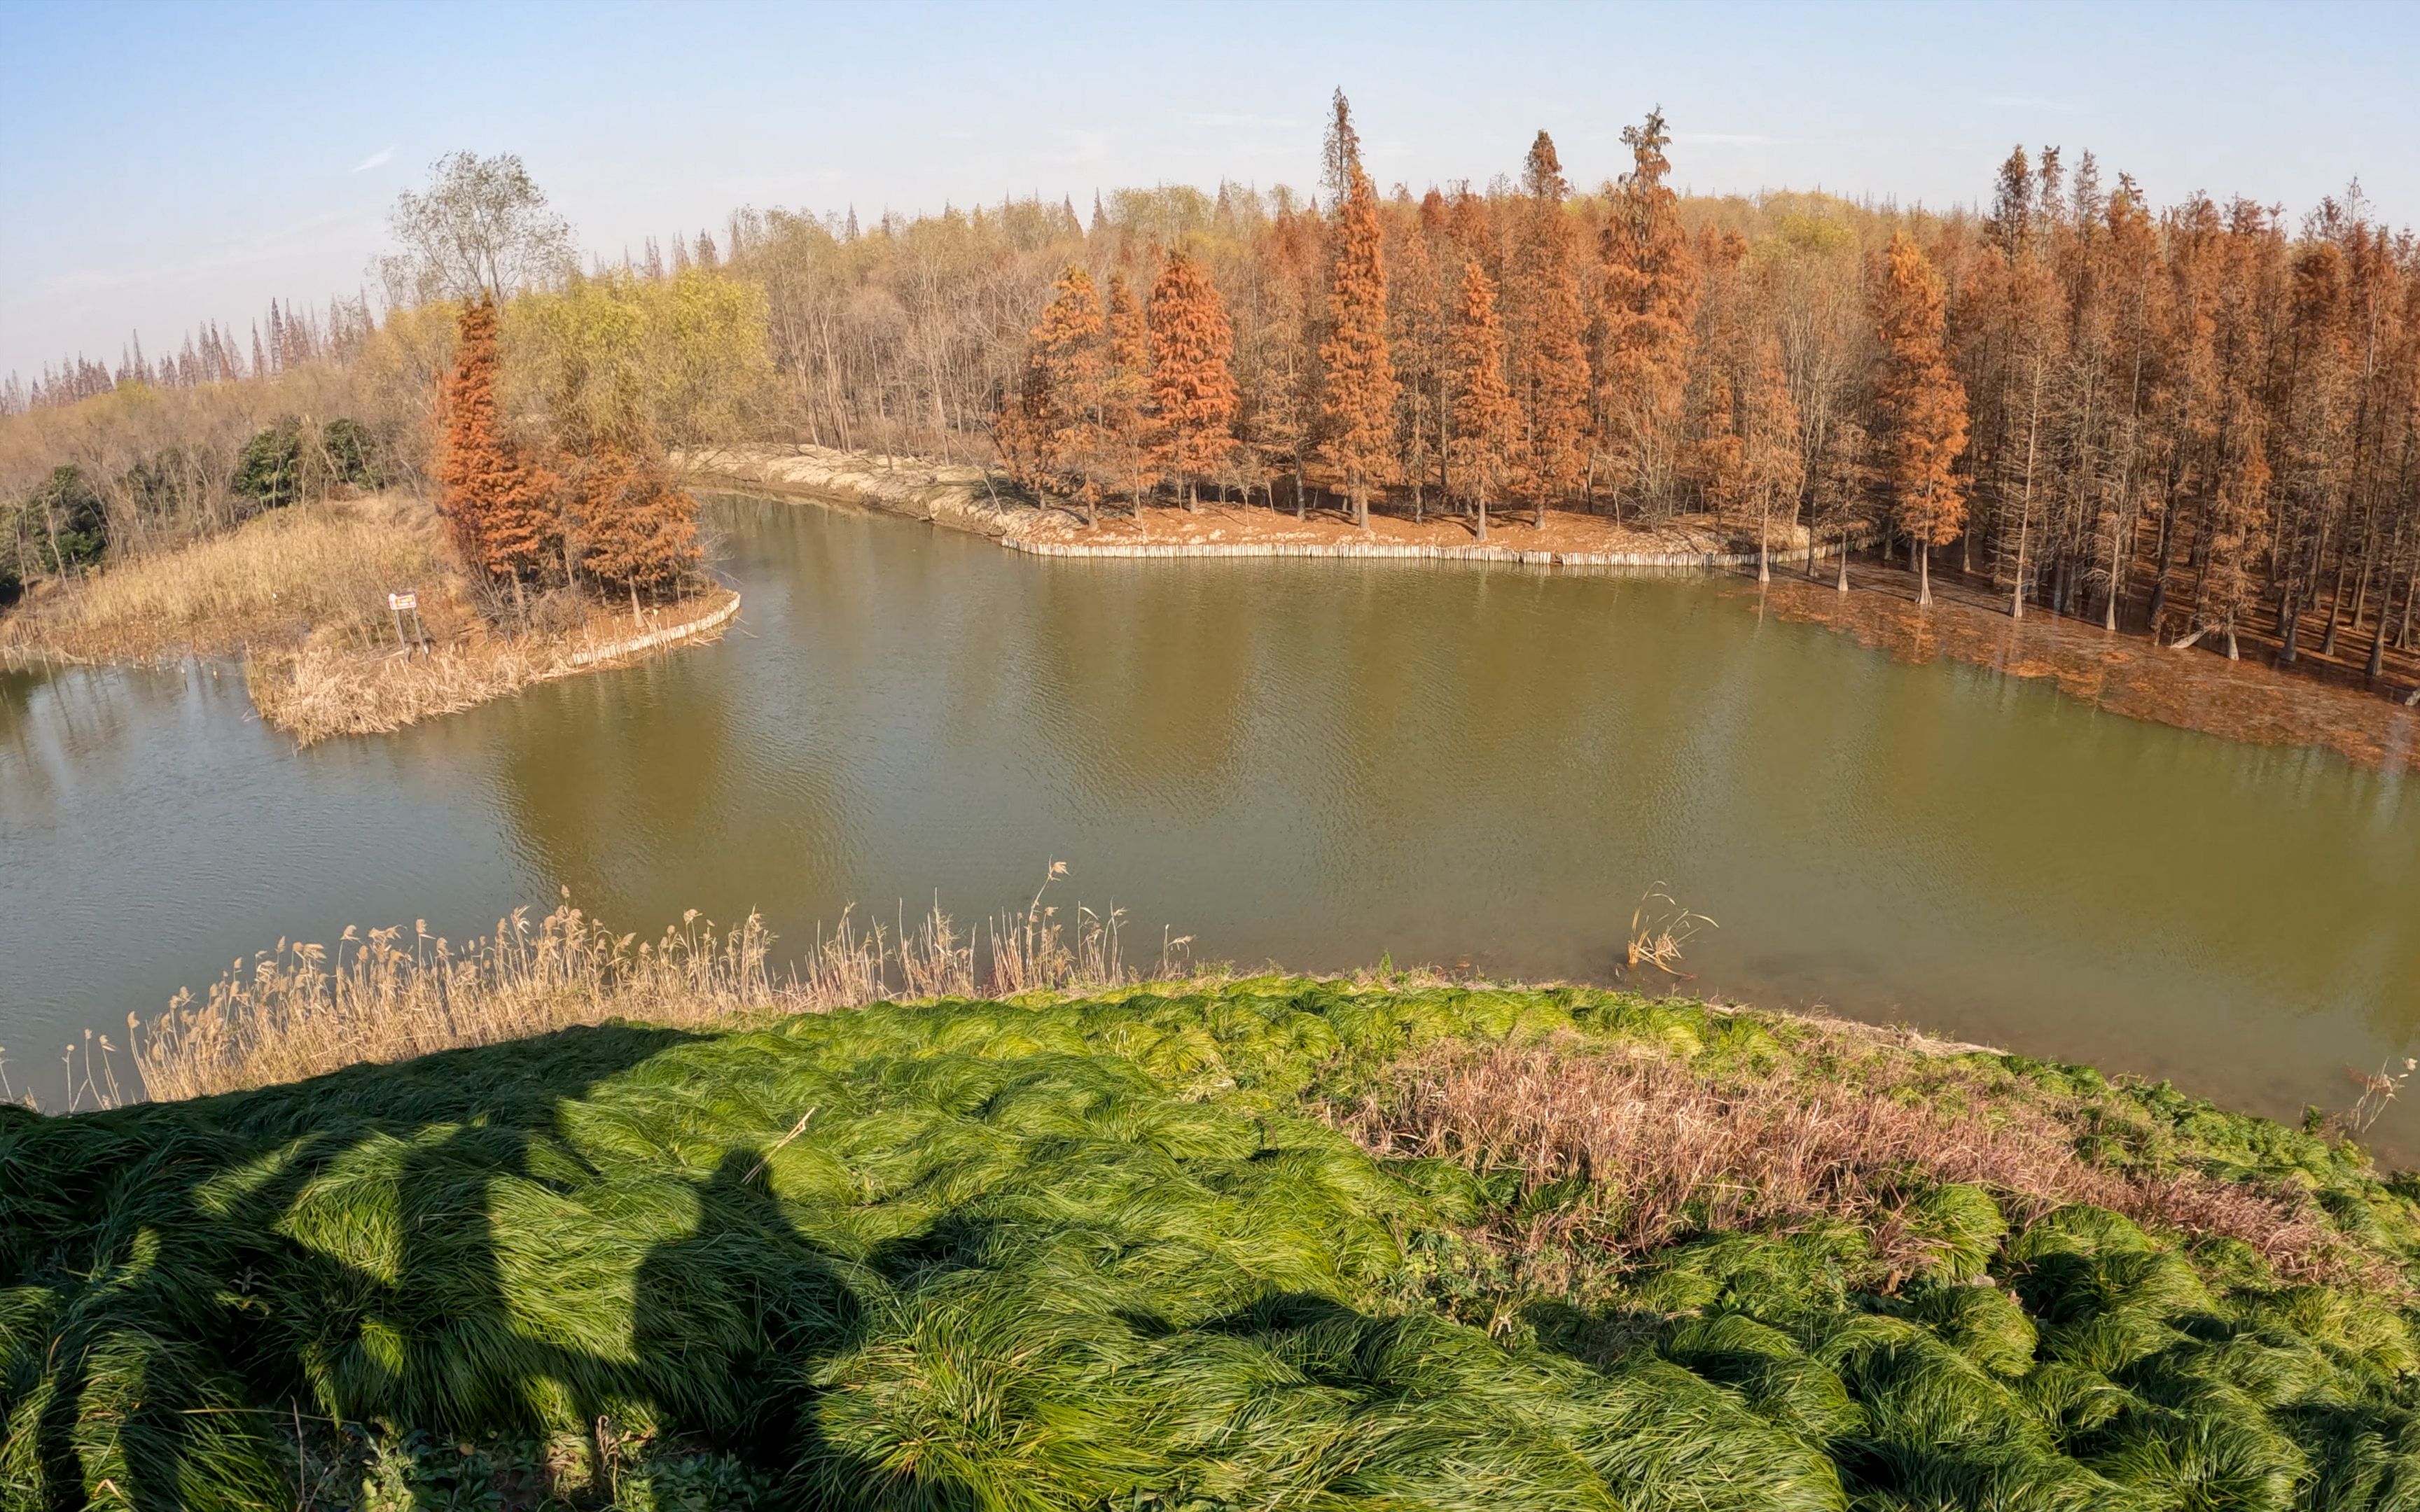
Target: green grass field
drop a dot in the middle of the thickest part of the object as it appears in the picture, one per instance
(1156, 1249)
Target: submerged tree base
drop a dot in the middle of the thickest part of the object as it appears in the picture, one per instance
(1260, 1243)
(2127, 674)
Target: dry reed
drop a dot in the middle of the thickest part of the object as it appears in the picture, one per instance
(388, 994)
(323, 691)
(312, 572)
(301, 595)
(1666, 1149)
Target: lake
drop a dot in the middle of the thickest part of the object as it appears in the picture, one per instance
(1316, 763)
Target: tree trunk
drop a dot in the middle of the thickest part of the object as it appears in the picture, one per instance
(2378, 642)
(1923, 571)
(2025, 503)
(1843, 584)
(2160, 572)
(2118, 561)
(2017, 594)
(2336, 606)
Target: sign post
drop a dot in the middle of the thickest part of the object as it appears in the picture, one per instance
(397, 604)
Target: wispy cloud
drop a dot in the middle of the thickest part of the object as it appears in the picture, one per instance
(375, 159)
(2058, 107)
(1220, 118)
(1081, 147)
(262, 246)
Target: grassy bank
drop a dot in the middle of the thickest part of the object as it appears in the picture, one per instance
(1267, 1243)
(300, 594)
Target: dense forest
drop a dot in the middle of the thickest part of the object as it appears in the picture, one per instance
(2201, 421)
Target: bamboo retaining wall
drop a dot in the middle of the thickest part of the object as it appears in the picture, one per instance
(1654, 561)
(653, 638)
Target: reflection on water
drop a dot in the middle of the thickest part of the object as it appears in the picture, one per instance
(1314, 763)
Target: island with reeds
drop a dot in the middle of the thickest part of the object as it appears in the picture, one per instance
(1043, 1231)
(298, 598)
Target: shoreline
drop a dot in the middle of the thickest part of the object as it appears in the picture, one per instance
(957, 496)
(2247, 702)
(297, 600)
(316, 695)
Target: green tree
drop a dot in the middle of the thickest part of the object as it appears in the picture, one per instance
(675, 362)
(270, 469)
(353, 454)
(69, 524)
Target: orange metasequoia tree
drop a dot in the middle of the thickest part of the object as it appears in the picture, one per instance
(1549, 356)
(1357, 412)
(1921, 406)
(502, 512)
(633, 528)
(1482, 416)
(1650, 307)
(1066, 379)
(1192, 376)
(1419, 311)
(470, 445)
(1716, 459)
(1773, 466)
(1126, 448)
(1284, 418)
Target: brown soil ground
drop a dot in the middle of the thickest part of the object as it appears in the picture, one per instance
(962, 496)
(2196, 688)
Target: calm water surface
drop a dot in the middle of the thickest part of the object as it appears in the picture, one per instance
(1315, 763)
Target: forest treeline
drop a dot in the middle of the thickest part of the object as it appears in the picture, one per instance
(2198, 420)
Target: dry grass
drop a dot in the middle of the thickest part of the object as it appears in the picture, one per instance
(301, 595)
(1666, 1149)
(318, 573)
(324, 690)
(388, 994)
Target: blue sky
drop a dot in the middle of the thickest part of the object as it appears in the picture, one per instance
(171, 163)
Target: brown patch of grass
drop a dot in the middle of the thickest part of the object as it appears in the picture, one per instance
(323, 690)
(314, 572)
(1667, 1149)
(301, 595)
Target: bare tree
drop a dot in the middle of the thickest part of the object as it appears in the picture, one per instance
(482, 227)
